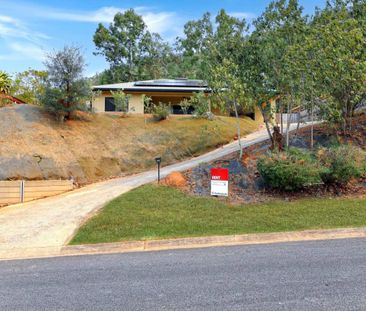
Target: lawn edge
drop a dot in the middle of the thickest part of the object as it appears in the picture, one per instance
(182, 243)
(212, 241)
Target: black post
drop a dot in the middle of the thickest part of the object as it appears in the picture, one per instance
(158, 161)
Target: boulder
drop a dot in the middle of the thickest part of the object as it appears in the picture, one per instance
(175, 179)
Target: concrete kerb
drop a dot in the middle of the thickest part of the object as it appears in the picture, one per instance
(182, 243)
(212, 241)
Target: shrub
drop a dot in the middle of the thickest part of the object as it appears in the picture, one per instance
(201, 104)
(121, 101)
(160, 112)
(289, 171)
(342, 163)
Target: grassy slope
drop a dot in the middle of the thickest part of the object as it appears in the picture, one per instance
(153, 212)
(101, 146)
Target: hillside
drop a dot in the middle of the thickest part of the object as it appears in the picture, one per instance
(94, 147)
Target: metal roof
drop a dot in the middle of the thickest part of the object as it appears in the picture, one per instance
(161, 85)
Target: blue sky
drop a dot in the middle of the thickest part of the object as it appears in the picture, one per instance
(29, 29)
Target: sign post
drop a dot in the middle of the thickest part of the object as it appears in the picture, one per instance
(220, 182)
(158, 162)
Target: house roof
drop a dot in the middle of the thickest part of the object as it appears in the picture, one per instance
(161, 85)
(12, 98)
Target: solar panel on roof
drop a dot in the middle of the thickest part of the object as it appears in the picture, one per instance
(173, 83)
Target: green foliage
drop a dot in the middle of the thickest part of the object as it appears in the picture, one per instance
(121, 101)
(66, 90)
(201, 104)
(29, 85)
(160, 112)
(5, 82)
(342, 163)
(296, 169)
(290, 171)
(147, 103)
(131, 50)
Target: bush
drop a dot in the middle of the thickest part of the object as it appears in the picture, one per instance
(201, 104)
(160, 112)
(341, 164)
(289, 171)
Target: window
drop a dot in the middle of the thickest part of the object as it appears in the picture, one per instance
(109, 104)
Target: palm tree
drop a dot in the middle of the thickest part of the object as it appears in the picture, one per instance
(5, 82)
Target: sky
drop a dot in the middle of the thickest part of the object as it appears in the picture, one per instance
(31, 29)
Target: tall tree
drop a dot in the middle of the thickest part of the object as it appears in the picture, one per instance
(340, 43)
(193, 46)
(272, 67)
(229, 91)
(131, 50)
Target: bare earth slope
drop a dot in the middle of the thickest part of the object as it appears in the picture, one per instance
(34, 146)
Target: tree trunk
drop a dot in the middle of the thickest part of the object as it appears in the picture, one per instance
(312, 126)
(288, 124)
(266, 122)
(238, 130)
(281, 111)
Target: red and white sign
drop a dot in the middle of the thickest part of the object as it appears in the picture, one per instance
(220, 182)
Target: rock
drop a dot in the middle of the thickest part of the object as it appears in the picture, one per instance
(24, 167)
(243, 183)
(299, 142)
(236, 167)
(259, 184)
(176, 179)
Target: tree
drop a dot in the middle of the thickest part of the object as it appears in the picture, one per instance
(66, 90)
(274, 72)
(226, 36)
(154, 64)
(339, 41)
(194, 45)
(5, 82)
(29, 85)
(131, 50)
(230, 90)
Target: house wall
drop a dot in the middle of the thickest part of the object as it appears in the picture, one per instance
(135, 103)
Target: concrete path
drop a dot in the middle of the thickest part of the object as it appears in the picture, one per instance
(42, 227)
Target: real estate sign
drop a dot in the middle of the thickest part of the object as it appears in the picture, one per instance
(220, 182)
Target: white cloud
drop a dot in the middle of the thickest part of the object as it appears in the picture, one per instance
(155, 21)
(28, 50)
(14, 28)
(18, 41)
(246, 15)
(102, 15)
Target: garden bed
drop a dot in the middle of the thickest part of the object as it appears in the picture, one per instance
(246, 185)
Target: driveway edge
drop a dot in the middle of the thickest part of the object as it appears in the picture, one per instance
(212, 241)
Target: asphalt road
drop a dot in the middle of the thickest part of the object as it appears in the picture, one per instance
(325, 275)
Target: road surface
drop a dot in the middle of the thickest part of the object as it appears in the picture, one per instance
(322, 275)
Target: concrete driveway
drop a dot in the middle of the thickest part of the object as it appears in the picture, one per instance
(42, 227)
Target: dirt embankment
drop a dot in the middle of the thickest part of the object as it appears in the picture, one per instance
(34, 146)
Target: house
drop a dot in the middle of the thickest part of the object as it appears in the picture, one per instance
(167, 91)
(10, 99)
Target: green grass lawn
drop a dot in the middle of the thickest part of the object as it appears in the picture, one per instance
(157, 212)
